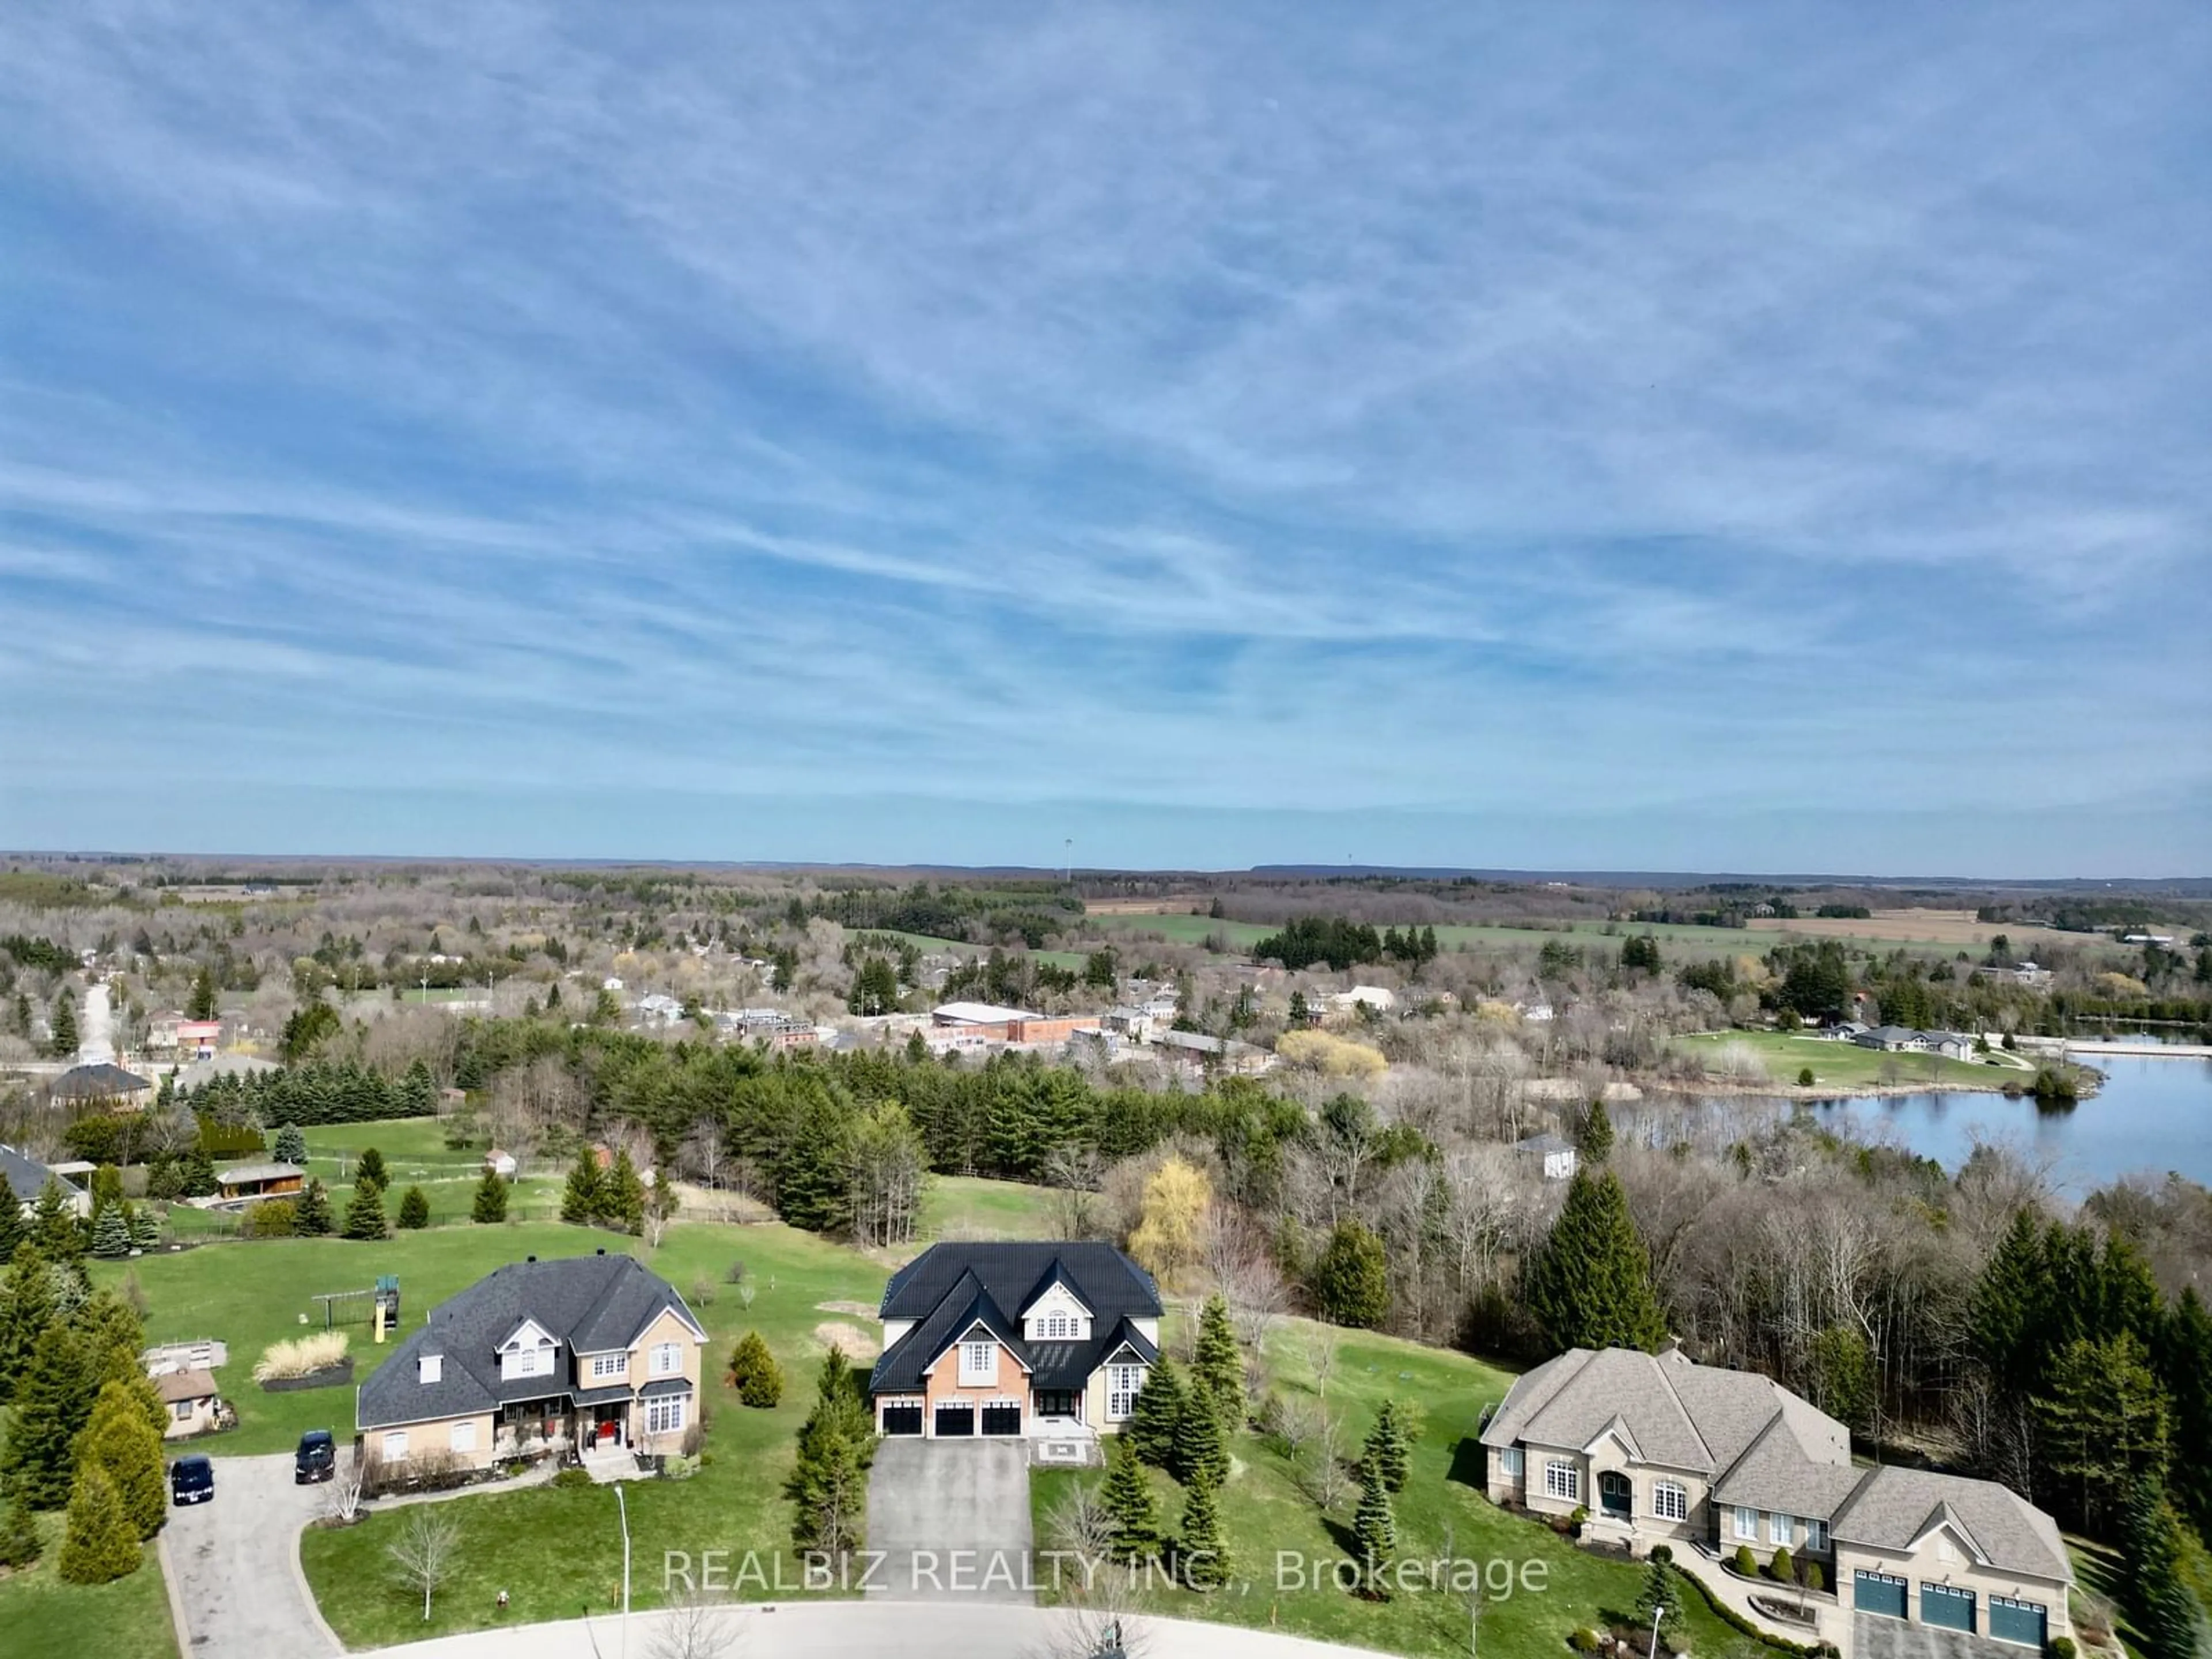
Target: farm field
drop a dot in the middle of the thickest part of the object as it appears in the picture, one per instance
(1846, 1065)
(1440, 1513)
(42, 1618)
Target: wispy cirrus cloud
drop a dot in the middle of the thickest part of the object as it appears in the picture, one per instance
(1645, 423)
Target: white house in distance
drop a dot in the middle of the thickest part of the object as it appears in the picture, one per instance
(1559, 1157)
(1656, 1448)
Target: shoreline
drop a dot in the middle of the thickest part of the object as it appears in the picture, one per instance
(1716, 1088)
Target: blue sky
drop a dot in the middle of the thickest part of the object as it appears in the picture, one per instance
(1721, 437)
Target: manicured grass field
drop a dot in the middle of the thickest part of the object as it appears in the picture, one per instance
(42, 1618)
(968, 1206)
(554, 1551)
(415, 1155)
(1847, 1066)
(1442, 1512)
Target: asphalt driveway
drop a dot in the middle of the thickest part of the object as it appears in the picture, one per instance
(233, 1565)
(950, 1520)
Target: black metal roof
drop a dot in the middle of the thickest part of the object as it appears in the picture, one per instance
(948, 1289)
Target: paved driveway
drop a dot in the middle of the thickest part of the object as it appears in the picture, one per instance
(951, 1520)
(233, 1565)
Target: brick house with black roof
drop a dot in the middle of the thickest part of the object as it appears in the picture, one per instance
(1050, 1340)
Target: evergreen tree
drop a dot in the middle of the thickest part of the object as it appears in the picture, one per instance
(364, 1216)
(1352, 1280)
(1201, 1555)
(754, 1373)
(2100, 1428)
(54, 1227)
(2158, 1602)
(19, 1543)
(1129, 1499)
(829, 1482)
(1198, 1453)
(99, 1545)
(203, 1003)
(290, 1145)
(145, 1227)
(1661, 1596)
(622, 1195)
(419, 1089)
(311, 1217)
(121, 1444)
(1217, 1370)
(110, 1233)
(371, 1168)
(27, 1308)
(1589, 1285)
(2185, 1364)
(1596, 1142)
(489, 1206)
(1388, 1449)
(1374, 1530)
(580, 1200)
(414, 1210)
(52, 1398)
(13, 1230)
(61, 1026)
(1157, 1417)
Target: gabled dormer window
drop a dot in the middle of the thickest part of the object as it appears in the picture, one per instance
(979, 1363)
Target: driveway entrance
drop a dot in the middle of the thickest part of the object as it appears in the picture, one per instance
(951, 1520)
(234, 1565)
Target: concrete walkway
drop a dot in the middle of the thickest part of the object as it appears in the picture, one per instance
(1831, 1622)
(912, 1629)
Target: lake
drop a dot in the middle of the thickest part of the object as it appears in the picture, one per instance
(2152, 1115)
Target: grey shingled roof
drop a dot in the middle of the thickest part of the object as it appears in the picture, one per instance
(1572, 1400)
(1894, 1506)
(242, 1172)
(26, 1176)
(949, 1288)
(1784, 1469)
(589, 1303)
(98, 1081)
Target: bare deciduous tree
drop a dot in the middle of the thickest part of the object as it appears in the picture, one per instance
(697, 1623)
(1318, 1347)
(342, 1496)
(424, 1552)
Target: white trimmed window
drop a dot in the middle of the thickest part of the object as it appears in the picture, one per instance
(663, 1416)
(667, 1358)
(979, 1363)
(1670, 1500)
(1777, 1528)
(1747, 1525)
(464, 1435)
(609, 1365)
(395, 1445)
(1058, 1327)
(1816, 1534)
(1563, 1480)
(1511, 1460)
(1122, 1384)
(527, 1362)
(182, 1411)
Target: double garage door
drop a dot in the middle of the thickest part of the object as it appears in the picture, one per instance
(957, 1422)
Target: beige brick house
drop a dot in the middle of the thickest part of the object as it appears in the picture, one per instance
(1656, 1448)
(594, 1354)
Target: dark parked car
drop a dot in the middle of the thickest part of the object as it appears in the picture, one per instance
(316, 1458)
(192, 1481)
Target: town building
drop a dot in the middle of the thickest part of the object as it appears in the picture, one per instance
(1047, 1341)
(593, 1353)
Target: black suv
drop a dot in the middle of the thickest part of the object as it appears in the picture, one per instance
(192, 1481)
(316, 1458)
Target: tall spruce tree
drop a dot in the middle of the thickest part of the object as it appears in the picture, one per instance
(1135, 1509)
(1375, 1533)
(61, 1027)
(580, 1199)
(290, 1145)
(99, 1545)
(371, 1167)
(1388, 1450)
(1594, 1144)
(1157, 1417)
(622, 1195)
(1659, 1598)
(2100, 1428)
(311, 1216)
(364, 1215)
(54, 1226)
(203, 1003)
(110, 1233)
(1201, 1554)
(414, 1210)
(1199, 1454)
(13, 1231)
(27, 1306)
(53, 1400)
(2158, 1602)
(1217, 1370)
(1590, 1286)
(2185, 1365)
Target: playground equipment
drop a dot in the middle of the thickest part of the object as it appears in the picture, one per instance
(381, 1311)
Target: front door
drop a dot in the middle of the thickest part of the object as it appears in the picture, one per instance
(1614, 1494)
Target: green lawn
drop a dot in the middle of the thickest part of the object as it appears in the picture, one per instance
(42, 1618)
(554, 1551)
(968, 1206)
(415, 1155)
(1264, 1512)
(1846, 1065)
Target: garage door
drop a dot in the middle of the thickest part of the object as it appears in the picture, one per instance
(902, 1419)
(1945, 1606)
(1877, 1592)
(1002, 1420)
(955, 1421)
(2028, 1623)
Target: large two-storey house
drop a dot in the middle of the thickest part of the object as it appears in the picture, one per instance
(590, 1353)
(1050, 1340)
(1656, 1449)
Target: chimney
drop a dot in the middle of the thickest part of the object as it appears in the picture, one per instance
(1673, 1350)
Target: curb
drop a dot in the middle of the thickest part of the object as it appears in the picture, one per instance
(177, 1627)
